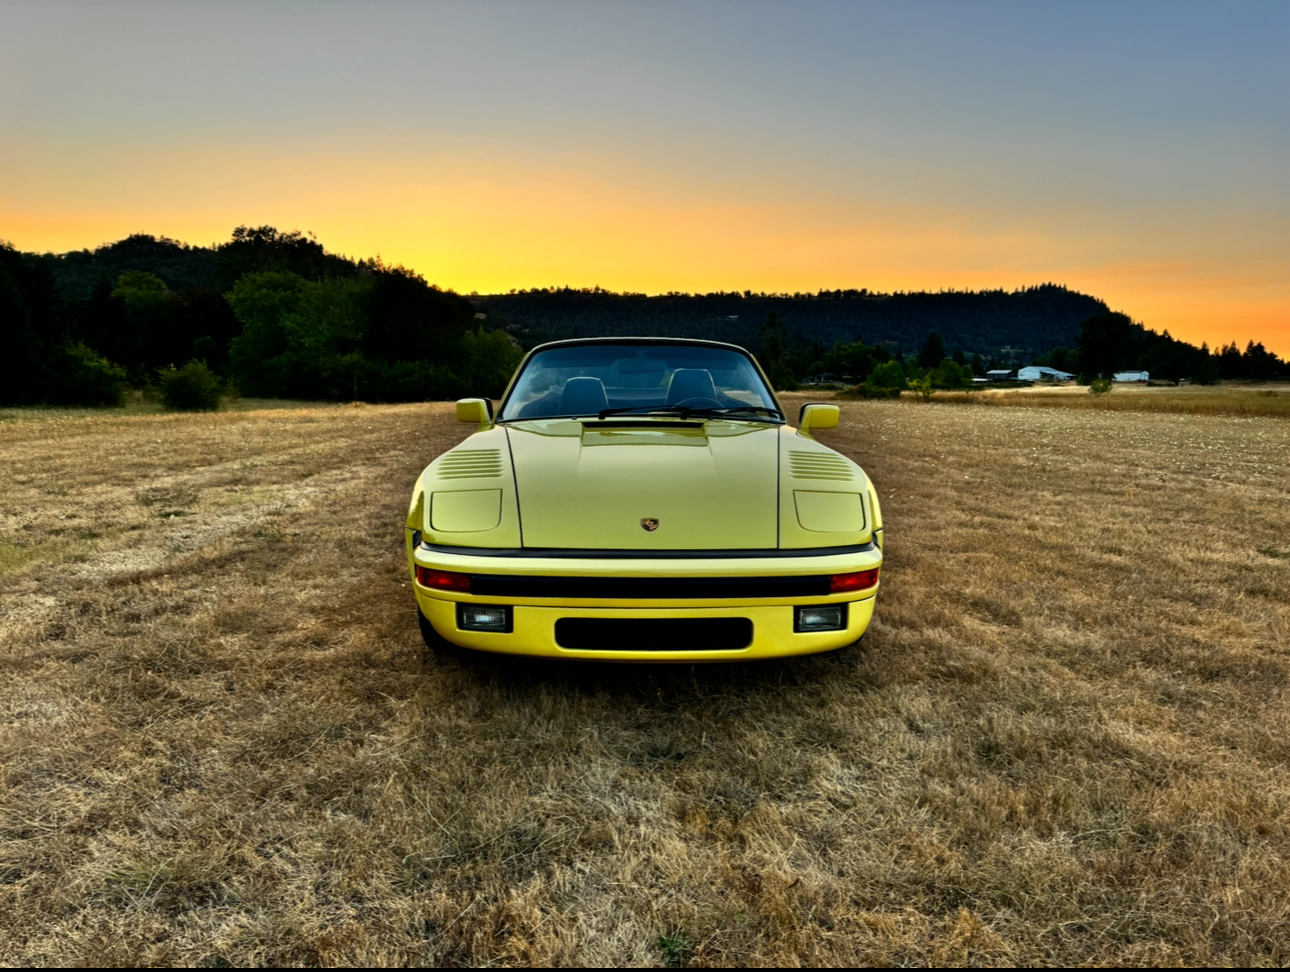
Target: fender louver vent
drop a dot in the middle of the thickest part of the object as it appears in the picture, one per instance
(471, 464)
(819, 465)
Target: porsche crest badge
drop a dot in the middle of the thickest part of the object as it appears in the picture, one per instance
(649, 524)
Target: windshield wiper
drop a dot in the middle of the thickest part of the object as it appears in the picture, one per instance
(685, 411)
(757, 409)
(646, 410)
(732, 413)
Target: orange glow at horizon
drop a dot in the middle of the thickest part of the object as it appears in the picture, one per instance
(488, 223)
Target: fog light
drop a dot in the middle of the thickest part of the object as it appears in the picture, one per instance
(485, 617)
(821, 617)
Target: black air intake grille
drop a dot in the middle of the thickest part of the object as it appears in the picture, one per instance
(654, 634)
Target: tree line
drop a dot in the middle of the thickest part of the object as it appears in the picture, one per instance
(1105, 344)
(269, 313)
(1112, 342)
(851, 332)
(274, 314)
(873, 368)
(993, 323)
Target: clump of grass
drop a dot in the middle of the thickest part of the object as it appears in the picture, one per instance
(675, 949)
(16, 556)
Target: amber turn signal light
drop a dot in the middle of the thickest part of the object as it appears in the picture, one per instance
(443, 580)
(859, 581)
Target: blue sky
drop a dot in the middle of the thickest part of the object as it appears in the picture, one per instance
(1135, 151)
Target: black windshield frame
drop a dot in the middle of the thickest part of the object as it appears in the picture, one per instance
(728, 409)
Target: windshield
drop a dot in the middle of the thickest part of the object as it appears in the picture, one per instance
(589, 379)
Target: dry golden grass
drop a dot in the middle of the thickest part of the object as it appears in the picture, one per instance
(1270, 400)
(1062, 742)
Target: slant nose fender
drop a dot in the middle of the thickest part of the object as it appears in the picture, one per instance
(467, 497)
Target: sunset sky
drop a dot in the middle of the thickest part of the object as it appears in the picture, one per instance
(1138, 151)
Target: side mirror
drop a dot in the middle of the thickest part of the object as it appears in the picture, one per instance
(478, 411)
(815, 417)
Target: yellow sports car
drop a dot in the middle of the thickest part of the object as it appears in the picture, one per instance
(643, 499)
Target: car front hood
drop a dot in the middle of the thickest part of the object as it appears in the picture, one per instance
(603, 485)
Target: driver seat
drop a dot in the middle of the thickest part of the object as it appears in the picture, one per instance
(583, 396)
(690, 383)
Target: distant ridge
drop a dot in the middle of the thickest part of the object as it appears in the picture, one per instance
(991, 322)
(1031, 321)
(277, 315)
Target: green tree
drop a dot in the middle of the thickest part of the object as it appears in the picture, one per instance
(293, 330)
(139, 288)
(408, 319)
(147, 340)
(1260, 364)
(82, 376)
(770, 351)
(889, 374)
(192, 388)
(21, 350)
(933, 352)
(1106, 344)
(32, 329)
(951, 375)
(104, 323)
(1230, 363)
(854, 359)
(1064, 359)
(923, 386)
(265, 249)
(491, 359)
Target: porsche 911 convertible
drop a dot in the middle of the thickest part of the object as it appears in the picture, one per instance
(643, 499)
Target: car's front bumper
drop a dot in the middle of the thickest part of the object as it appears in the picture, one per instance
(534, 617)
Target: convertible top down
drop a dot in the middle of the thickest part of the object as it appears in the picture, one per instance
(643, 499)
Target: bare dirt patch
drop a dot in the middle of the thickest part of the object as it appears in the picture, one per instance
(1062, 741)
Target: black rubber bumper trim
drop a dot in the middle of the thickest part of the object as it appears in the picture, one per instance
(564, 553)
(663, 588)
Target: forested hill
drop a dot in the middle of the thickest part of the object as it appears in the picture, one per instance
(275, 314)
(182, 267)
(266, 313)
(1032, 321)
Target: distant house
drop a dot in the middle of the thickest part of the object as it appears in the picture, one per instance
(1142, 376)
(1041, 373)
(1000, 374)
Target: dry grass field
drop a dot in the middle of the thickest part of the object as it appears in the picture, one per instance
(1271, 400)
(1064, 740)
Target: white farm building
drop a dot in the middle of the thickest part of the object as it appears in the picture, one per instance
(1041, 373)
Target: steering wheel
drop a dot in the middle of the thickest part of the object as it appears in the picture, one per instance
(696, 402)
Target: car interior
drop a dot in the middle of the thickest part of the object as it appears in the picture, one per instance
(587, 380)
